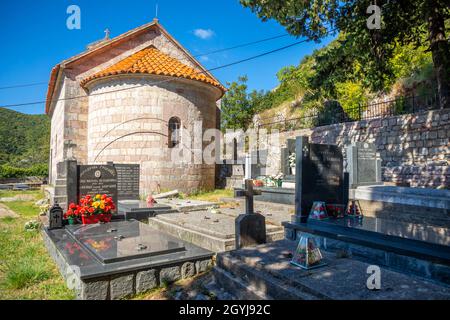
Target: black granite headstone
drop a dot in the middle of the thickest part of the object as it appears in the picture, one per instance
(97, 179)
(285, 153)
(319, 176)
(127, 181)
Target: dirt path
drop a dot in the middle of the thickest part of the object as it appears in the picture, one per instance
(6, 212)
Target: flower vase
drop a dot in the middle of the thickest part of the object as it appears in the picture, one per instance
(105, 217)
(72, 221)
(90, 219)
(293, 171)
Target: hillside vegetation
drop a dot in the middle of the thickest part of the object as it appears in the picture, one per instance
(332, 73)
(24, 144)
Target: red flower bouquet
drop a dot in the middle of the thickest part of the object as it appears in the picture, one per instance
(94, 209)
(72, 214)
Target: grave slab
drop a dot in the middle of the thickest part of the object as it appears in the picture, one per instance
(109, 255)
(212, 231)
(186, 205)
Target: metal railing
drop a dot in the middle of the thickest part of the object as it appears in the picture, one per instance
(333, 113)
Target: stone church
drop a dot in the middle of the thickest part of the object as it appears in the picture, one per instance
(127, 100)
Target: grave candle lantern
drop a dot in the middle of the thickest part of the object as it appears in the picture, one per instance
(307, 255)
(55, 217)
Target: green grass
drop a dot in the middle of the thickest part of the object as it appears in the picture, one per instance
(26, 269)
(12, 193)
(24, 208)
(212, 196)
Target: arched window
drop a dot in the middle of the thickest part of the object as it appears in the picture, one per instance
(174, 132)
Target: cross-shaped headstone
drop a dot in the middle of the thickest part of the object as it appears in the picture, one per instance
(248, 193)
(250, 226)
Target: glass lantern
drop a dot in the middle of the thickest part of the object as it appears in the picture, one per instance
(318, 211)
(336, 210)
(354, 209)
(307, 255)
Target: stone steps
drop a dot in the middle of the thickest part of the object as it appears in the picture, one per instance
(264, 272)
(248, 282)
(425, 259)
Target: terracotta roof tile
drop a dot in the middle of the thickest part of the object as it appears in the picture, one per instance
(153, 61)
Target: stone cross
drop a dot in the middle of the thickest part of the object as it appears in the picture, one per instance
(69, 150)
(248, 166)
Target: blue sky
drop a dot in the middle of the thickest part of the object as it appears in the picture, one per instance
(35, 38)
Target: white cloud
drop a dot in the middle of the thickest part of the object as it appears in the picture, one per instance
(203, 33)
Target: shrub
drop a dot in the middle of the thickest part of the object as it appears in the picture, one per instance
(38, 170)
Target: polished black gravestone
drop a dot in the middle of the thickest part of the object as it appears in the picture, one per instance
(121, 241)
(319, 176)
(285, 166)
(97, 179)
(363, 165)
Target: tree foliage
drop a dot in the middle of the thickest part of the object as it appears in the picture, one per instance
(420, 23)
(237, 108)
(24, 142)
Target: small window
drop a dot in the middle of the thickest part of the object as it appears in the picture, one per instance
(174, 132)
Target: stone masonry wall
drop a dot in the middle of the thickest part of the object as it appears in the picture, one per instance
(148, 108)
(57, 136)
(414, 148)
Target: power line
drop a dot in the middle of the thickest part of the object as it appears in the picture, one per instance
(171, 79)
(198, 55)
(241, 45)
(24, 85)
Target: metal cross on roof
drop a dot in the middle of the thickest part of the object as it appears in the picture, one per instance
(107, 34)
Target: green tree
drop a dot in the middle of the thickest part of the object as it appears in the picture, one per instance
(237, 109)
(418, 22)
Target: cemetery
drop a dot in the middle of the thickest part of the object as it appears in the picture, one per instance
(161, 183)
(257, 246)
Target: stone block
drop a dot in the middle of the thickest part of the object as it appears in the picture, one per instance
(94, 290)
(122, 286)
(187, 270)
(170, 274)
(146, 280)
(203, 265)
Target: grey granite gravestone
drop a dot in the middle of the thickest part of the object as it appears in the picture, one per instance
(250, 227)
(363, 165)
(319, 176)
(127, 181)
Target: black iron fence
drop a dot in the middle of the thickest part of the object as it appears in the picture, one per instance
(333, 113)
